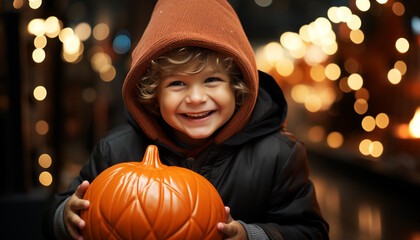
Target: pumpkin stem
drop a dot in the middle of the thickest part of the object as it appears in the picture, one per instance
(151, 157)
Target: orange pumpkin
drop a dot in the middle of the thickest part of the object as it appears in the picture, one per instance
(149, 200)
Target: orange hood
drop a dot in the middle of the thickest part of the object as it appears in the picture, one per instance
(211, 24)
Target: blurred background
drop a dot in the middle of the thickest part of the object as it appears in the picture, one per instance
(350, 70)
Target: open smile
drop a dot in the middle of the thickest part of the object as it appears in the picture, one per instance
(200, 115)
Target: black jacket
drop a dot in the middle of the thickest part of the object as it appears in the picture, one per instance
(261, 172)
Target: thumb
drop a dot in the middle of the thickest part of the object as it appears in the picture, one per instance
(81, 190)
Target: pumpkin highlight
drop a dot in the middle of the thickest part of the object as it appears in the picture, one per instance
(149, 200)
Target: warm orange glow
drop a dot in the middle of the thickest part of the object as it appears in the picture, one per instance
(317, 73)
(361, 106)
(300, 92)
(335, 139)
(45, 178)
(382, 120)
(101, 31)
(398, 8)
(355, 81)
(285, 67)
(401, 66)
(414, 125)
(18, 4)
(45, 160)
(332, 71)
(313, 103)
(316, 134)
(364, 146)
(368, 123)
(42, 127)
(357, 36)
(402, 45)
(40, 93)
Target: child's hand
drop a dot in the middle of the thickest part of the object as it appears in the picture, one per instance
(72, 220)
(232, 229)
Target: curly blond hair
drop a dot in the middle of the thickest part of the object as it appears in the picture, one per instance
(188, 60)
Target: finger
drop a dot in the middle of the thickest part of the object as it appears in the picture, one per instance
(80, 204)
(81, 190)
(229, 218)
(74, 231)
(76, 224)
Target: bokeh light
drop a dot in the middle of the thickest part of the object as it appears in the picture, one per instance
(45, 178)
(38, 55)
(285, 67)
(35, 4)
(40, 41)
(42, 127)
(40, 93)
(401, 66)
(361, 106)
(37, 27)
(335, 140)
(332, 71)
(357, 36)
(53, 27)
(394, 76)
(354, 22)
(45, 160)
(368, 123)
(402, 45)
(313, 103)
(121, 44)
(382, 120)
(363, 5)
(355, 81)
(17, 4)
(317, 73)
(83, 31)
(101, 31)
(398, 8)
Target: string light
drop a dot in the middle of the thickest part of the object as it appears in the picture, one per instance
(335, 139)
(40, 93)
(332, 71)
(402, 45)
(394, 76)
(45, 160)
(368, 123)
(45, 178)
(35, 4)
(355, 81)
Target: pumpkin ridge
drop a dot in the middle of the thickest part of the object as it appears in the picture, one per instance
(167, 184)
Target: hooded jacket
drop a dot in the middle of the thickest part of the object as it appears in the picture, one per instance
(259, 169)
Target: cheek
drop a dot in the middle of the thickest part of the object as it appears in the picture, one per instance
(226, 98)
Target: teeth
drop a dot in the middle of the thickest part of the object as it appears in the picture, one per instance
(197, 115)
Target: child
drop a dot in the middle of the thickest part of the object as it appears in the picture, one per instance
(194, 91)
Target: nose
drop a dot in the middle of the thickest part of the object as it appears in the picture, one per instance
(196, 95)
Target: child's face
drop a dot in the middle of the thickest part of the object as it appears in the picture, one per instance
(196, 105)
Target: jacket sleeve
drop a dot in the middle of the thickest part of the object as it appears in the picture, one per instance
(95, 165)
(293, 210)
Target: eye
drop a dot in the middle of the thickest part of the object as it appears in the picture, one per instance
(176, 84)
(213, 79)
